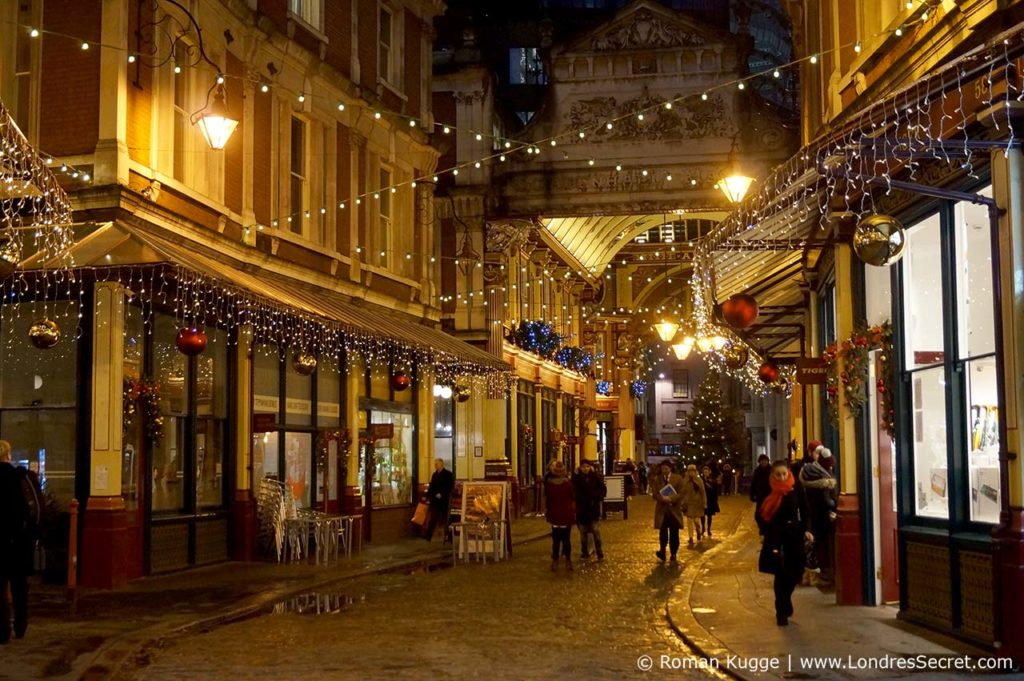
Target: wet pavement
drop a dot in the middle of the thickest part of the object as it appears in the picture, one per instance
(515, 619)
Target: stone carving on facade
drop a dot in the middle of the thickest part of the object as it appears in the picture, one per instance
(506, 236)
(493, 273)
(646, 30)
(469, 97)
(689, 119)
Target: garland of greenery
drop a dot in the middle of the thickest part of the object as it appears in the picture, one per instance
(540, 339)
(855, 353)
(145, 393)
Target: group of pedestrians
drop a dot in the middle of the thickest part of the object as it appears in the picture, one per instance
(572, 501)
(794, 510)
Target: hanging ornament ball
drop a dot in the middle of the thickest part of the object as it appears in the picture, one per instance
(768, 372)
(190, 341)
(304, 363)
(462, 393)
(780, 386)
(400, 381)
(740, 311)
(44, 334)
(10, 256)
(736, 356)
(879, 240)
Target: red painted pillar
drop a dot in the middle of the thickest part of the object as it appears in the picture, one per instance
(849, 552)
(1009, 538)
(104, 553)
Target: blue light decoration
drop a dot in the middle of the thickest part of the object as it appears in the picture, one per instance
(638, 388)
(603, 387)
(537, 337)
(575, 358)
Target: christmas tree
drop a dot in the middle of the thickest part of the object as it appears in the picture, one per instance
(708, 437)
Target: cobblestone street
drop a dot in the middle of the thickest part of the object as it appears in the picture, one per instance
(515, 619)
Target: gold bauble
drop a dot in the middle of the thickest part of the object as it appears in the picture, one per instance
(735, 355)
(879, 240)
(44, 334)
(10, 256)
(304, 363)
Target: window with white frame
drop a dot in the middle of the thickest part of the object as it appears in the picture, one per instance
(26, 69)
(298, 175)
(310, 11)
(387, 60)
(385, 241)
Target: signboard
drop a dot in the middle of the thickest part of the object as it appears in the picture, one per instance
(382, 431)
(616, 485)
(811, 371)
(264, 423)
(269, 403)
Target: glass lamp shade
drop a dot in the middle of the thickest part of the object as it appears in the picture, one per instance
(666, 330)
(704, 343)
(719, 342)
(446, 392)
(735, 186)
(215, 124)
(683, 348)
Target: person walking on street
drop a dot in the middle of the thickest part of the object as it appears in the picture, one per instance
(666, 488)
(560, 512)
(439, 494)
(759, 486)
(590, 490)
(641, 472)
(711, 494)
(20, 506)
(694, 503)
(785, 534)
(727, 479)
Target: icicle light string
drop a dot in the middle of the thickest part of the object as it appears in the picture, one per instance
(503, 145)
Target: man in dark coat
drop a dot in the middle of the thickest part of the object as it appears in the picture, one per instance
(590, 491)
(439, 494)
(17, 536)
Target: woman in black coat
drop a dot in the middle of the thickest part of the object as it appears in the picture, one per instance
(711, 488)
(786, 531)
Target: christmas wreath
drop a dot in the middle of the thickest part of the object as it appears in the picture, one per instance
(145, 393)
(323, 446)
(855, 353)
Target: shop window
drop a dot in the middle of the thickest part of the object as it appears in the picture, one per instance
(928, 403)
(298, 402)
(37, 399)
(211, 420)
(922, 294)
(167, 454)
(298, 459)
(393, 473)
(328, 393)
(266, 400)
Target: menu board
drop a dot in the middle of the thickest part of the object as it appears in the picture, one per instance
(483, 500)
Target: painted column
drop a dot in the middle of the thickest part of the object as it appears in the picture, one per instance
(104, 546)
(849, 551)
(626, 414)
(424, 397)
(1008, 187)
(243, 516)
(354, 379)
(111, 156)
(538, 432)
(588, 421)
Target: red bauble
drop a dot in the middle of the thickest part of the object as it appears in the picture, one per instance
(191, 341)
(400, 381)
(740, 311)
(768, 372)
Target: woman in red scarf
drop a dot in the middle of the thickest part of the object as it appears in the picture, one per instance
(785, 531)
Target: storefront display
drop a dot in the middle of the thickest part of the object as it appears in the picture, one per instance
(392, 475)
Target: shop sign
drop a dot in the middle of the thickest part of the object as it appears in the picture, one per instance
(330, 410)
(811, 371)
(295, 406)
(382, 431)
(264, 423)
(269, 403)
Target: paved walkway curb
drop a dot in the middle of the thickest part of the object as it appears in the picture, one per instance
(681, 618)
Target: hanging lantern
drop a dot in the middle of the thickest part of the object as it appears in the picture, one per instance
(740, 311)
(736, 183)
(666, 330)
(462, 393)
(400, 381)
(879, 240)
(768, 372)
(10, 256)
(736, 356)
(190, 341)
(44, 334)
(684, 347)
(304, 363)
(215, 123)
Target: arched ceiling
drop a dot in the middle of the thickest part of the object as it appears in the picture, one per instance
(595, 240)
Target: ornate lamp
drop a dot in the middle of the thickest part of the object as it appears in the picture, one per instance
(736, 183)
(684, 347)
(666, 330)
(215, 123)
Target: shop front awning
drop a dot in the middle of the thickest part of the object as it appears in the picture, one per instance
(250, 286)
